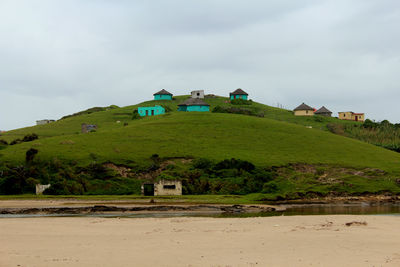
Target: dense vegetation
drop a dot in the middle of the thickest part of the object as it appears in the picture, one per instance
(384, 134)
(198, 176)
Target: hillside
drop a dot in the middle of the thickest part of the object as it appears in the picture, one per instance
(267, 141)
(270, 151)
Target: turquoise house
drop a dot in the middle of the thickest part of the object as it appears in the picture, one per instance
(151, 111)
(194, 104)
(163, 95)
(239, 93)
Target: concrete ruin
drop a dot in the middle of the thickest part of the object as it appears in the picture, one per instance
(41, 187)
(87, 128)
(162, 188)
(43, 122)
(197, 94)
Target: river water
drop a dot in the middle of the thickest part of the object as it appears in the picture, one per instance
(392, 209)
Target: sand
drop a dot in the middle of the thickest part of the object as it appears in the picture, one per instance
(272, 241)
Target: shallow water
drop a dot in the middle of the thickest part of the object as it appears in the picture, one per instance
(392, 209)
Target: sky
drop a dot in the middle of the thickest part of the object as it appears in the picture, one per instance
(61, 57)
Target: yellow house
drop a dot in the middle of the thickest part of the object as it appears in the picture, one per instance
(351, 116)
(304, 110)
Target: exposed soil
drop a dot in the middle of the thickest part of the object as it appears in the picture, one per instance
(142, 208)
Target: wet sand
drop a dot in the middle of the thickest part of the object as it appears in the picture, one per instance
(271, 241)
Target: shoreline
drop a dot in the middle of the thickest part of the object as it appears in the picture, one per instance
(90, 207)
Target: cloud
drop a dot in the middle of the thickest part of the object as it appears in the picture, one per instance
(71, 55)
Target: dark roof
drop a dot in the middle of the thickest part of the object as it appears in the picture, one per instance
(304, 107)
(193, 102)
(239, 92)
(163, 92)
(322, 110)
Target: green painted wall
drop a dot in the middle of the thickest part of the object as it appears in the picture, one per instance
(194, 108)
(151, 111)
(244, 97)
(162, 97)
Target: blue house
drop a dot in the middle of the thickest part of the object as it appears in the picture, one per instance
(163, 95)
(194, 104)
(151, 111)
(239, 93)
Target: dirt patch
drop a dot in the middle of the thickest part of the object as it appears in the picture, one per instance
(355, 223)
(67, 142)
(101, 209)
(121, 170)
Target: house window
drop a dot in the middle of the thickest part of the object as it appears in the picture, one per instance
(198, 94)
(169, 186)
(306, 111)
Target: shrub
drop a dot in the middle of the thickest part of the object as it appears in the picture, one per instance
(3, 142)
(167, 108)
(235, 110)
(30, 154)
(336, 128)
(30, 137)
(135, 115)
(240, 101)
(203, 163)
(318, 118)
(27, 138)
(270, 187)
(235, 164)
(57, 188)
(16, 142)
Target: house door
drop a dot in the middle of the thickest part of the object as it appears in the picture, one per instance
(356, 118)
(148, 189)
(147, 113)
(152, 113)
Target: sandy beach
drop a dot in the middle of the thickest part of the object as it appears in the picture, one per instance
(271, 241)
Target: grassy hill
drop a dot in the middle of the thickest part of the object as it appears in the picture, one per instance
(278, 138)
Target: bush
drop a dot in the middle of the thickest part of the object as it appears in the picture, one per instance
(270, 187)
(336, 128)
(30, 137)
(16, 142)
(27, 138)
(235, 164)
(3, 142)
(135, 115)
(167, 108)
(202, 163)
(234, 110)
(370, 124)
(58, 188)
(30, 155)
(318, 118)
(240, 101)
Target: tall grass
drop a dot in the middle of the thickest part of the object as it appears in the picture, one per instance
(383, 134)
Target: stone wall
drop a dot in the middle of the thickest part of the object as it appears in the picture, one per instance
(41, 187)
(168, 188)
(198, 94)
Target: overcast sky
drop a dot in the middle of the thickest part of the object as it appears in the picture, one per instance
(60, 57)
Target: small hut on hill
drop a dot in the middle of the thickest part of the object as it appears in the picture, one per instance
(351, 116)
(194, 104)
(163, 95)
(239, 94)
(151, 111)
(304, 110)
(323, 112)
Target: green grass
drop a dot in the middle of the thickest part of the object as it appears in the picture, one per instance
(278, 139)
